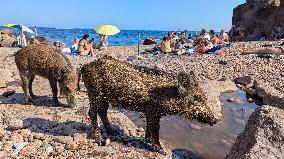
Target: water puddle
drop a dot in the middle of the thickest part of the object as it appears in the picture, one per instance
(194, 140)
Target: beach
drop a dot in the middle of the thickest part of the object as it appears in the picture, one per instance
(57, 131)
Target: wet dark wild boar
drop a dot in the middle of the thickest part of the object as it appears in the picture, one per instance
(145, 90)
(46, 62)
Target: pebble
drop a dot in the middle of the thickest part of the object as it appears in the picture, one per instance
(195, 126)
(13, 123)
(25, 133)
(63, 139)
(71, 146)
(3, 85)
(234, 100)
(18, 147)
(80, 138)
(226, 143)
(140, 130)
(250, 100)
(8, 93)
(107, 142)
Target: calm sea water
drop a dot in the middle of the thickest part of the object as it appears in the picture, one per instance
(124, 38)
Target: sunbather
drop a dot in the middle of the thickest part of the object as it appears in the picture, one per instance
(84, 48)
(272, 50)
(224, 37)
(166, 45)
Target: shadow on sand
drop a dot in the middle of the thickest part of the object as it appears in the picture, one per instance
(68, 128)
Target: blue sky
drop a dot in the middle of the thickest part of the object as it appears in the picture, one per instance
(126, 14)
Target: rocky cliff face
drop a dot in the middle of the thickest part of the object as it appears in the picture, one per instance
(259, 17)
(7, 38)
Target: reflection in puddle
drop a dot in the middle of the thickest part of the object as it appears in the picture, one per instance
(194, 140)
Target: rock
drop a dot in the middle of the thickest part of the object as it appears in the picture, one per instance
(7, 38)
(195, 126)
(59, 149)
(63, 139)
(259, 17)
(80, 138)
(71, 146)
(8, 93)
(226, 143)
(18, 147)
(69, 130)
(13, 123)
(49, 149)
(234, 100)
(16, 138)
(244, 80)
(213, 90)
(3, 85)
(140, 130)
(149, 41)
(25, 133)
(250, 100)
(107, 142)
(263, 135)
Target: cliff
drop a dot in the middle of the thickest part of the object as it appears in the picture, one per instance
(260, 18)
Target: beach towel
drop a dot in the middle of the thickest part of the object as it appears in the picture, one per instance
(265, 56)
(70, 54)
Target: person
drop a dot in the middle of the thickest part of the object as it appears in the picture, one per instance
(213, 38)
(103, 42)
(84, 48)
(204, 35)
(175, 36)
(166, 45)
(74, 47)
(268, 50)
(224, 37)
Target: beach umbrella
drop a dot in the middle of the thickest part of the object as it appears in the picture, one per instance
(107, 30)
(21, 27)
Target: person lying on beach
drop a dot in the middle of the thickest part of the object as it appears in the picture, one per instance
(272, 50)
(84, 48)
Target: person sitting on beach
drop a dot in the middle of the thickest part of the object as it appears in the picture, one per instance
(224, 37)
(103, 42)
(84, 48)
(213, 38)
(204, 35)
(166, 45)
(74, 47)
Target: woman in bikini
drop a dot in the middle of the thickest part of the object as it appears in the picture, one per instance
(84, 48)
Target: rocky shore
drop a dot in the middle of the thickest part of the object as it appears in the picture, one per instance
(57, 132)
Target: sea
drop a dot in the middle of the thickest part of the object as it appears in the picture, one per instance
(124, 38)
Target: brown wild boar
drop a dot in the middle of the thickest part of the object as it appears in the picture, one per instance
(145, 90)
(43, 60)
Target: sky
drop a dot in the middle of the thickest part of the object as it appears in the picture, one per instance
(126, 14)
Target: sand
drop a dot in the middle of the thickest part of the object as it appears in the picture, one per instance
(50, 123)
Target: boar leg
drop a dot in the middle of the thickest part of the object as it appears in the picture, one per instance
(31, 79)
(152, 132)
(25, 82)
(148, 134)
(53, 85)
(93, 116)
(102, 111)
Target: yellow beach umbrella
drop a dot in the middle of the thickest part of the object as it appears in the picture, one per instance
(107, 30)
(9, 25)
